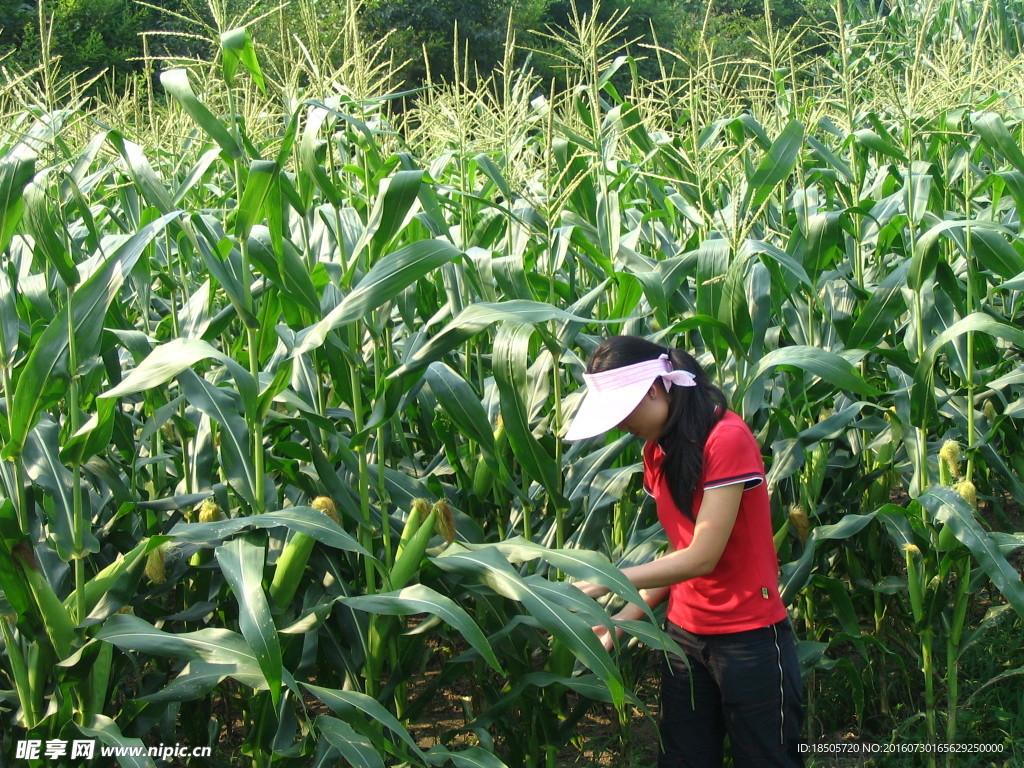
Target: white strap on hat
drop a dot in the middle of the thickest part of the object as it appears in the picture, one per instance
(646, 370)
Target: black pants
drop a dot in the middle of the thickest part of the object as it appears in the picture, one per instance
(745, 685)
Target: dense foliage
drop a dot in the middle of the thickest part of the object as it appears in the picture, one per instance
(283, 374)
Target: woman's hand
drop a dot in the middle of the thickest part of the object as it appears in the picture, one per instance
(590, 589)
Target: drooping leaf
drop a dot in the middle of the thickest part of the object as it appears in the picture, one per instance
(923, 393)
(385, 280)
(490, 567)
(241, 562)
(419, 598)
(299, 519)
(176, 83)
(820, 363)
(950, 508)
(357, 750)
(236, 48)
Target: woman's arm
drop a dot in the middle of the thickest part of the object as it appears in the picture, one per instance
(715, 521)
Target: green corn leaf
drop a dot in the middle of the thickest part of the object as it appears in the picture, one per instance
(44, 467)
(93, 437)
(994, 252)
(842, 604)
(489, 566)
(241, 562)
(880, 314)
(386, 279)
(1016, 284)
(50, 611)
(44, 228)
(826, 365)
(197, 679)
(195, 175)
(45, 376)
(285, 268)
(175, 82)
(262, 176)
(300, 519)
(493, 172)
(475, 318)
(877, 143)
(473, 757)
(16, 171)
(10, 325)
(15, 588)
(823, 153)
(113, 587)
(461, 403)
(578, 563)
(149, 184)
(789, 454)
(999, 256)
(176, 356)
(511, 351)
(923, 393)
(395, 206)
(357, 750)
(996, 135)
(236, 48)
(343, 702)
(105, 730)
(950, 508)
(776, 166)
(222, 406)
(216, 646)
(795, 575)
(224, 263)
(309, 147)
(419, 598)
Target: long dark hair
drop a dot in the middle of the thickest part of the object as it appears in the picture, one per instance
(692, 412)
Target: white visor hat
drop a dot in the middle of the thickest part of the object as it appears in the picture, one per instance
(613, 394)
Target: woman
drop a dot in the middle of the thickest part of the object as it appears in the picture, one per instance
(703, 467)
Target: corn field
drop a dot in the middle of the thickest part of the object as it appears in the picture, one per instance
(285, 367)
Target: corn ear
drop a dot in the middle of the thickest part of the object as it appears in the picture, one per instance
(914, 586)
(483, 480)
(100, 584)
(949, 462)
(290, 566)
(295, 556)
(209, 512)
(407, 563)
(800, 522)
(156, 565)
(419, 510)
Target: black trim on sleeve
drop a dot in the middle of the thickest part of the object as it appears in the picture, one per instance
(749, 480)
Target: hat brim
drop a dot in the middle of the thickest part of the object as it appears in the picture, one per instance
(601, 411)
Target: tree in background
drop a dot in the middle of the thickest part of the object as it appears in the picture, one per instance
(424, 33)
(730, 27)
(88, 36)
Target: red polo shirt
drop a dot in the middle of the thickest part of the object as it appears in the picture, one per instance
(742, 592)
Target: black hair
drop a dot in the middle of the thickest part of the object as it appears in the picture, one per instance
(692, 412)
